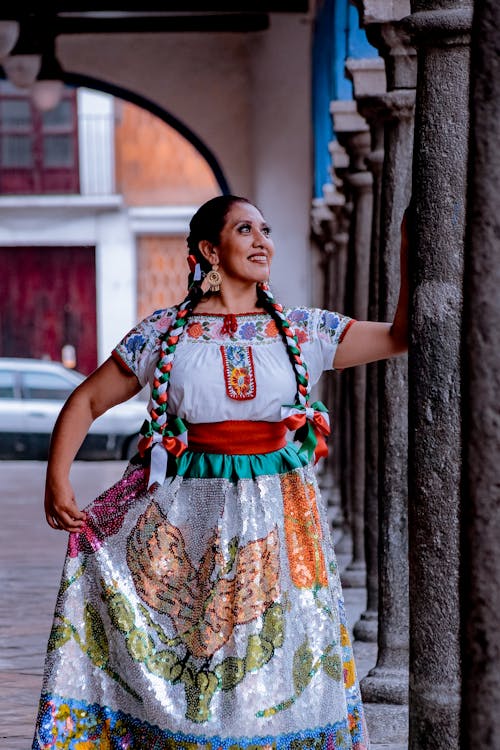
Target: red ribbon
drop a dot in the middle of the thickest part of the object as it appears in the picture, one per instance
(173, 445)
(320, 427)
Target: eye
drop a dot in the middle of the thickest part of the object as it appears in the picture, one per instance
(266, 230)
(244, 228)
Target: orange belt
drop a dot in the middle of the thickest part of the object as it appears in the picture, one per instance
(237, 437)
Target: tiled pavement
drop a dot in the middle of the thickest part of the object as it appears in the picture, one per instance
(31, 556)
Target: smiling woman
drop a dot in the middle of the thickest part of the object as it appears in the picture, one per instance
(201, 603)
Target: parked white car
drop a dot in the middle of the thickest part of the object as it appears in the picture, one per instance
(32, 392)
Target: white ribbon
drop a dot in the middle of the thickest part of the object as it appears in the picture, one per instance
(159, 458)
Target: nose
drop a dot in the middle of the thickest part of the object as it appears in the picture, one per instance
(260, 239)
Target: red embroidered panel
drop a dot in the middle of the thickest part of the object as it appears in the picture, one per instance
(239, 373)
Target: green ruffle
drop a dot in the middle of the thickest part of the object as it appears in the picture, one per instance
(193, 465)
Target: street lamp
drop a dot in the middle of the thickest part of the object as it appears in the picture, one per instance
(47, 90)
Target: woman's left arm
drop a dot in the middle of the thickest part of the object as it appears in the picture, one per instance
(366, 341)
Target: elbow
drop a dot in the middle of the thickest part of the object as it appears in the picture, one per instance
(399, 340)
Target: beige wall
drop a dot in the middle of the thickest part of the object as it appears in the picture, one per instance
(247, 97)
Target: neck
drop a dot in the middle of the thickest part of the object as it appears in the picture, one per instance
(233, 299)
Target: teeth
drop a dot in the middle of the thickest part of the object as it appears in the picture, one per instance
(258, 257)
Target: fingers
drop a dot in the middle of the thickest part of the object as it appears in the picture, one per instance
(64, 516)
(63, 521)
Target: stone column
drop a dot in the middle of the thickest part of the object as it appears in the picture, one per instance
(341, 205)
(324, 229)
(388, 681)
(481, 523)
(368, 76)
(441, 33)
(353, 133)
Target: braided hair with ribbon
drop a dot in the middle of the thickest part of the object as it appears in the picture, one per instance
(167, 434)
(310, 422)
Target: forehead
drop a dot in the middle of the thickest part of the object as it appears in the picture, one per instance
(244, 212)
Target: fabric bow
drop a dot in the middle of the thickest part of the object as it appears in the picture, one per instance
(311, 425)
(173, 440)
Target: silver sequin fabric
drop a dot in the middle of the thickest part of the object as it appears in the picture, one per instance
(204, 614)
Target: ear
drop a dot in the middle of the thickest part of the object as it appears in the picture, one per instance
(208, 251)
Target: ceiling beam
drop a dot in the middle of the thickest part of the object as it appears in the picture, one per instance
(230, 22)
(11, 9)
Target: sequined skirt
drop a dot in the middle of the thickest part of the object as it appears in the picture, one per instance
(206, 613)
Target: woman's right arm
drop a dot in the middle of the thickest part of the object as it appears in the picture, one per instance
(107, 386)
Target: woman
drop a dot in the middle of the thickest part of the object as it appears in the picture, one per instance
(200, 605)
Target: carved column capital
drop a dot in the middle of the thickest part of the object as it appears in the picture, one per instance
(367, 75)
(441, 27)
(380, 11)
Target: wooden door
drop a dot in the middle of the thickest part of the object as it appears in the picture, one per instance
(48, 300)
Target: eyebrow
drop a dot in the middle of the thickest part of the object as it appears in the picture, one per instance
(263, 223)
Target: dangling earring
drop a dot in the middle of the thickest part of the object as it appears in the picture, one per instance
(214, 278)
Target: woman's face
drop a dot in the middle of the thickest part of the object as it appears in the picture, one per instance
(245, 248)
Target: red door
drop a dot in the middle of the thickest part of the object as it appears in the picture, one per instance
(47, 301)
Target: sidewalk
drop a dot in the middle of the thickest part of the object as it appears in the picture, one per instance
(31, 556)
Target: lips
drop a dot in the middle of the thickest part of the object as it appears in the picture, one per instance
(258, 258)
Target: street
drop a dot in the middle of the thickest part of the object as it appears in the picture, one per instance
(31, 558)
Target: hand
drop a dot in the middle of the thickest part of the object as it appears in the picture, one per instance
(61, 510)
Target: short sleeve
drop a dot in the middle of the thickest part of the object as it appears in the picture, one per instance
(318, 332)
(138, 351)
(332, 327)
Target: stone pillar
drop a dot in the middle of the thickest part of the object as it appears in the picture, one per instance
(353, 133)
(441, 33)
(341, 205)
(388, 681)
(481, 523)
(324, 229)
(368, 76)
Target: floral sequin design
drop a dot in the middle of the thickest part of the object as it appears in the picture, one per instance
(77, 725)
(303, 533)
(239, 372)
(205, 604)
(106, 515)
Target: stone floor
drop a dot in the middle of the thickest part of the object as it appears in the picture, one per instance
(31, 557)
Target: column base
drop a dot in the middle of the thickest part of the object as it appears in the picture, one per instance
(343, 545)
(354, 576)
(387, 724)
(383, 685)
(366, 628)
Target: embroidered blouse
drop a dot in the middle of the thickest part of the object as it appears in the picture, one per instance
(232, 367)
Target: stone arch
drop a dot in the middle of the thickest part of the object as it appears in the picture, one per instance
(80, 79)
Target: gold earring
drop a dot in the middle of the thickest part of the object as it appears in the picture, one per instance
(214, 278)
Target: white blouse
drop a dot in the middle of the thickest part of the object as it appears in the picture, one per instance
(232, 367)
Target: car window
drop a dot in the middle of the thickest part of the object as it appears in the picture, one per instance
(7, 381)
(45, 385)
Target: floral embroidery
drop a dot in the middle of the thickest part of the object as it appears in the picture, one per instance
(301, 336)
(195, 330)
(330, 320)
(239, 374)
(299, 315)
(271, 329)
(248, 331)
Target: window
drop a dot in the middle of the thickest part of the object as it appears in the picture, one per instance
(38, 150)
(45, 385)
(7, 384)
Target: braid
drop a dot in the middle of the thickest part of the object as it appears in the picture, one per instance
(169, 341)
(275, 310)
